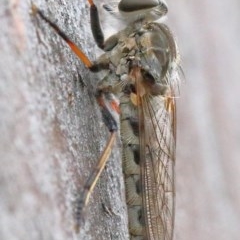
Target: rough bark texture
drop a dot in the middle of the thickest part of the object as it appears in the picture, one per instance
(52, 133)
(51, 128)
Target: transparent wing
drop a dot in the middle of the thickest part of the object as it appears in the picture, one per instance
(157, 154)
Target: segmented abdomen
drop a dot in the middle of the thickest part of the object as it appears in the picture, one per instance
(131, 167)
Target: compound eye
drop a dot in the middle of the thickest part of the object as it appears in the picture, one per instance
(148, 78)
(136, 5)
(152, 86)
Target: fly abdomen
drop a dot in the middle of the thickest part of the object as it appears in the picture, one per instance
(131, 170)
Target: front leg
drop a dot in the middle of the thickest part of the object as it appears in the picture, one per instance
(95, 66)
(97, 30)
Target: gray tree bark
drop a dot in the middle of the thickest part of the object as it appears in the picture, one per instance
(52, 133)
(51, 129)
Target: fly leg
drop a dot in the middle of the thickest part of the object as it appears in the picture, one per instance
(108, 104)
(97, 30)
(95, 25)
(110, 111)
(83, 200)
(92, 66)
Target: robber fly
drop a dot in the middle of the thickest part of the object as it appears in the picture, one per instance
(141, 64)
